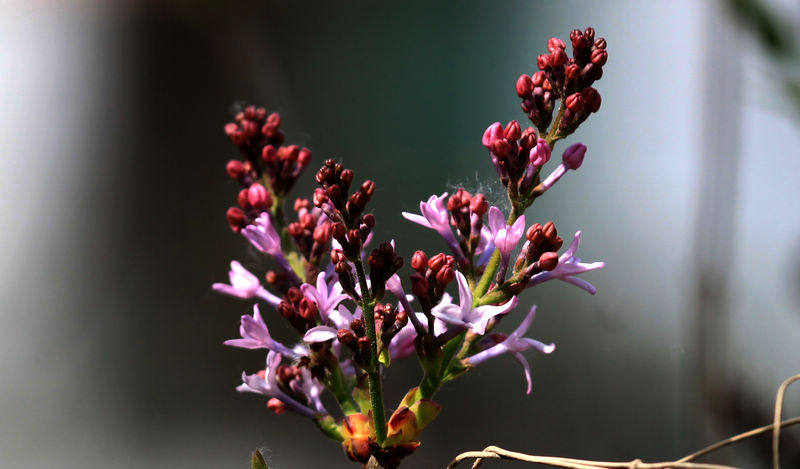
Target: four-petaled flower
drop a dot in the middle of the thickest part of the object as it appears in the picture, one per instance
(266, 383)
(435, 216)
(262, 234)
(515, 344)
(245, 285)
(568, 267)
(505, 237)
(327, 299)
(465, 315)
(256, 335)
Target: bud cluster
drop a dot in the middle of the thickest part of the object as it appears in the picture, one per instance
(311, 234)
(567, 79)
(268, 170)
(540, 252)
(431, 278)
(301, 312)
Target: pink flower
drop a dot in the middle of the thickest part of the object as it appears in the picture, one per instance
(435, 216)
(515, 344)
(540, 154)
(492, 133)
(266, 383)
(245, 285)
(327, 299)
(255, 335)
(505, 237)
(465, 315)
(568, 267)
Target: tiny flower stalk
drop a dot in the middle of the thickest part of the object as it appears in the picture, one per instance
(346, 300)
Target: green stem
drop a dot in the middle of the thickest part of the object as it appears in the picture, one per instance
(553, 136)
(344, 397)
(494, 263)
(374, 370)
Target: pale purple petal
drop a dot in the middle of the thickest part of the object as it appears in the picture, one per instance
(568, 266)
(255, 334)
(319, 334)
(526, 367)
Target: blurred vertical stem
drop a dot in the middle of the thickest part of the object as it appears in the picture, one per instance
(374, 371)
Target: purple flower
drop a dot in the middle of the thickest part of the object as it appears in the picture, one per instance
(568, 267)
(266, 383)
(256, 335)
(505, 237)
(340, 318)
(572, 158)
(465, 315)
(245, 285)
(515, 344)
(435, 216)
(263, 236)
(327, 299)
(402, 344)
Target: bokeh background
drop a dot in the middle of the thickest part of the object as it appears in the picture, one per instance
(113, 195)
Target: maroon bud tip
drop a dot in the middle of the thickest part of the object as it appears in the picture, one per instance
(368, 188)
(436, 262)
(235, 169)
(573, 156)
(479, 205)
(445, 275)
(555, 43)
(543, 61)
(599, 57)
(304, 157)
(419, 261)
(558, 58)
(512, 131)
(274, 119)
(320, 197)
(574, 102)
(269, 153)
(322, 233)
(589, 33)
(538, 79)
(276, 405)
(601, 43)
(231, 128)
(524, 86)
(236, 219)
(259, 197)
(548, 261)
(243, 199)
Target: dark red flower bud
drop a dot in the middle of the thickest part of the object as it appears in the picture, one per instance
(235, 169)
(512, 131)
(479, 205)
(555, 43)
(304, 157)
(524, 86)
(274, 119)
(236, 219)
(549, 230)
(307, 309)
(574, 102)
(599, 57)
(289, 153)
(601, 43)
(592, 99)
(589, 33)
(579, 41)
(322, 233)
(301, 203)
(528, 139)
(572, 72)
(538, 79)
(346, 336)
(295, 229)
(243, 199)
(337, 256)
(249, 128)
(368, 220)
(320, 197)
(445, 275)
(558, 58)
(419, 261)
(548, 261)
(501, 148)
(269, 153)
(543, 61)
(368, 188)
(259, 197)
(357, 326)
(294, 294)
(535, 234)
(437, 262)
(354, 236)
(285, 309)
(338, 230)
(231, 128)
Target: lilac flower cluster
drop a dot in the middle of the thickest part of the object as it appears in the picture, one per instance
(332, 289)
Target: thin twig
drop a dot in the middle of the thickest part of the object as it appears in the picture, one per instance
(776, 431)
(494, 452)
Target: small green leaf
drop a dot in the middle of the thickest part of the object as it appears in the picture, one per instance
(361, 395)
(384, 357)
(297, 265)
(258, 461)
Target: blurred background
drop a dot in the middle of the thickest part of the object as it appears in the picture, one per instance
(113, 196)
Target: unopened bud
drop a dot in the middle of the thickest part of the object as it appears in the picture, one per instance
(236, 219)
(524, 86)
(572, 72)
(599, 57)
(243, 199)
(601, 43)
(304, 157)
(589, 33)
(540, 154)
(479, 205)
(512, 131)
(558, 58)
(235, 169)
(543, 61)
(259, 197)
(555, 43)
(445, 275)
(574, 102)
(419, 261)
(437, 262)
(501, 148)
(269, 153)
(548, 261)
(276, 405)
(538, 79)
(322, 233)
(320, 197)
(368, 188)
(573, 156)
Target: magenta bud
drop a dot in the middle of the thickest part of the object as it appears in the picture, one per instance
(540, 154)
(512, 131)
(491, 134)
(259, 197)
(573, 156)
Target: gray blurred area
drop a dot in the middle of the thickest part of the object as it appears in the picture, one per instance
(113, 195)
